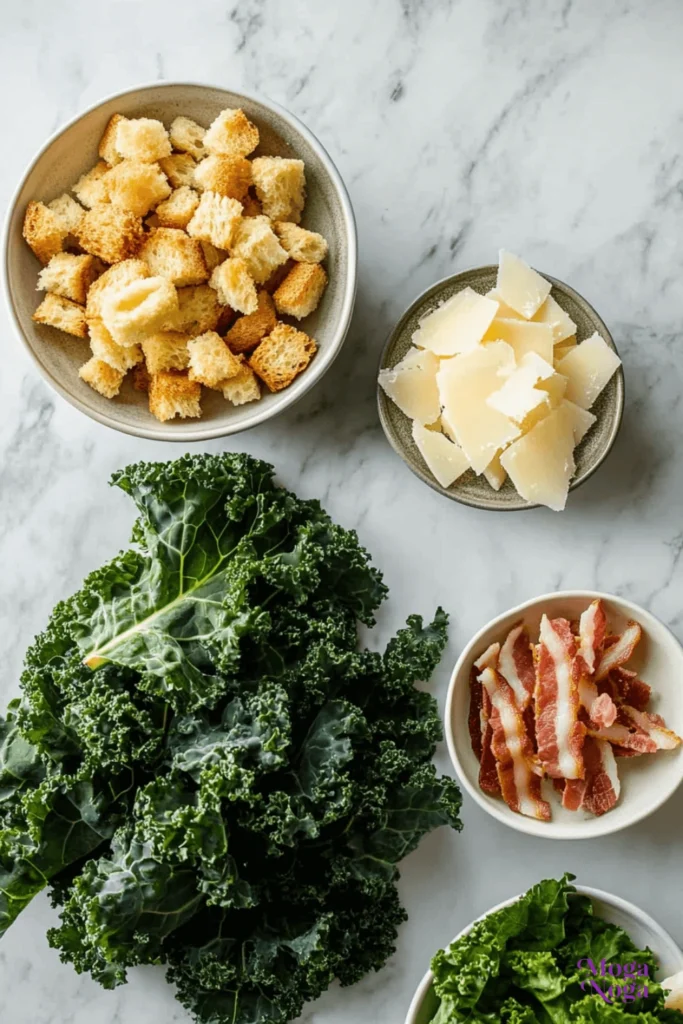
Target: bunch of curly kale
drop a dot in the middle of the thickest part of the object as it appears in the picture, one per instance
(203, 766)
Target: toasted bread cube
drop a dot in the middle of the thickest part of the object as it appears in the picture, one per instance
(212, 255)
(231, 134)
(282, 356)
(69, 276)
(107, 149)
(198, 311)
(142, 138)
(179, 168)
(188, 137)
(91, 187)
(133, 311)
(140, 377)
(256, 243)
(211, 360)
(68, 212)
(101, 377)
(172, 254)
(118, 274)
(300, 245)
(215, 220)
(152, 222)
(177, 210)
(243, 387)
(278, 276)
(44, 231)
(174, 394)
(227, 175)
(280, 186)
(166, 350)
(110, 233)
(251, 206)
(235, 286)
(65, 315)
(137, 186)
(248, 331)
(104, 348)
(300, 292)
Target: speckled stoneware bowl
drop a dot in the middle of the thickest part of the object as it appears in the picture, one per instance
(471, 489)
(73, 150)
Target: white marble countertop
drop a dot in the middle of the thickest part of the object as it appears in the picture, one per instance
(554, 129)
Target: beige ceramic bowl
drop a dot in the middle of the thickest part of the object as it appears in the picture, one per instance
(73, 150)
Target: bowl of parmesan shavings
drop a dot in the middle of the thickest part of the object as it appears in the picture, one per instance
(180, 261)
(501, 388)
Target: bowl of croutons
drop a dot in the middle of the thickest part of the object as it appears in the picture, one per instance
(180, 261)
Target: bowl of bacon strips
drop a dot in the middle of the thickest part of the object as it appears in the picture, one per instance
(565, 714)
(180, 261)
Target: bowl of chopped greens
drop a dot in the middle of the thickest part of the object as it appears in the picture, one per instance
(558, 954)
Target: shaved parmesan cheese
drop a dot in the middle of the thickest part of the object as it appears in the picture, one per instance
(518, 396)
(551, 313)
(523, 336)
(556, 387)
(563, 348)
(503, 311)
(519, 286)
(445, 460)
(540, 463)
(458, 325)
(494, 473)
(464, 385)
(446, 426)
(580, 419)
(588, 368)
(411, 384)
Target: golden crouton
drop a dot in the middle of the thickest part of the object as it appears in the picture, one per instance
(110, 233)
(243, 387)
(278, 276)
(198, 311)
(69, 276)
(280, 186)
(215, 220)
(137, 186)
(188, 137)
(140, 377)
(300, 292)
(104, 348)
(256, 243)
(68, 212)
(211, 360)
(172, 254)
(107, 149)
(133, 311)
(234, 286)
(301, 245)
(44, 231)
(174, 394)
(248, 331)
(177, 210)
(231, 134)
(166, 350)
(142, 138)
(227, 175)
(179, 168)
(212, 255)
(63, 314)
(251, 206)
(282, 356)
(113, 277)
(91, 187)
(225, 320)
(101, 377)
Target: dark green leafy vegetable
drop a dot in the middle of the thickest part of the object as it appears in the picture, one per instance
(520, 965)
(205, 768)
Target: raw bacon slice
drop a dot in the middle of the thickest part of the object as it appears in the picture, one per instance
(489, 659)
(602, 779)
(638, 731)
(559, 733)
(620, 651)
(516, 665)
(475, 718)
(627, 688)
(592, 633)
(596, 708)
(519, 782)
(603, 710)
(488, 767)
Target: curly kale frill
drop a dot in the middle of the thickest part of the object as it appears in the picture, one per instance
(205, 768)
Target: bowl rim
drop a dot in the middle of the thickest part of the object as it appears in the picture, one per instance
(383, 400)
(158, 431)
(529, 826)
(594, 894)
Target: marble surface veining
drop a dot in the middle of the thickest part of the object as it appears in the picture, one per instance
(555, 129)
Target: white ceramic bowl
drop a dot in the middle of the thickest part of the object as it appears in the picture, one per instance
(646, 782)
(73, 150)
(640, 926)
